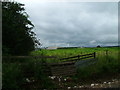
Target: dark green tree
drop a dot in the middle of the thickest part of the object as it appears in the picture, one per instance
(17, 35)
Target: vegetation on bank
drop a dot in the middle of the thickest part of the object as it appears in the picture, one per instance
(107, 59)
(62, 53)
(17, 71)
(28, 74)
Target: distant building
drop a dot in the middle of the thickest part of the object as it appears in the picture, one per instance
(98, 46)
(51, 48)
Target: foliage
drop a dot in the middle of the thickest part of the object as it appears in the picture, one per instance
(107, 59)
(107, 64)
(16, 73)
(17, 35)
(12, 77)
(42, 77)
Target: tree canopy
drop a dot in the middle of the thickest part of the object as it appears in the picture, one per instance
(17, 35)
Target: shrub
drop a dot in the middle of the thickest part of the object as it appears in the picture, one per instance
(42, 76)
(12, 76)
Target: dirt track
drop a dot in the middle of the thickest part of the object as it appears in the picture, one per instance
(111, 83)
(114, 83)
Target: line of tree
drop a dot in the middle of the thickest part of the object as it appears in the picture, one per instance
(17, 35)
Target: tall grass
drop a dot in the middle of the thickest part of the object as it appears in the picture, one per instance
(12, 77)
(16, 73)
(106, 64)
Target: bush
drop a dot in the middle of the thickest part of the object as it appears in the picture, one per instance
(12, 76)
(42, 76)
(15, 75)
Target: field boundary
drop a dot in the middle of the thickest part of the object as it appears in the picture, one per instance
(78, 57)
(64, 68)
(29, 57)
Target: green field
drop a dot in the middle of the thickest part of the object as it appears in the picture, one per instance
(72, 51)
(62, 53)
(107, 59)
(14, 71)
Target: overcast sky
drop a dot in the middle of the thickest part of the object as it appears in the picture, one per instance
(74, 23)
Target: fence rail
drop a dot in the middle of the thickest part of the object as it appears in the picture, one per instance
(79, 57)
(29, 57)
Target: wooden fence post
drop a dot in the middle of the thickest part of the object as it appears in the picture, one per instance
(106, 52)
(78, 57)
(94, 54)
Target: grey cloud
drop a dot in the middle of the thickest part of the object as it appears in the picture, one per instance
(75, 24)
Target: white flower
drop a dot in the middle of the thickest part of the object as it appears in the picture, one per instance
(113, 80)
(75, 86)
(92, 85)
(52, 77)
(59, 79)
(27, 80)
(109, 82)
(69, 87)
(65, 79)
(104, 82)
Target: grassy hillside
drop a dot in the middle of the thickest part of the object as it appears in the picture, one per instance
(61, 53)
(108, 64)
(72, 51)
